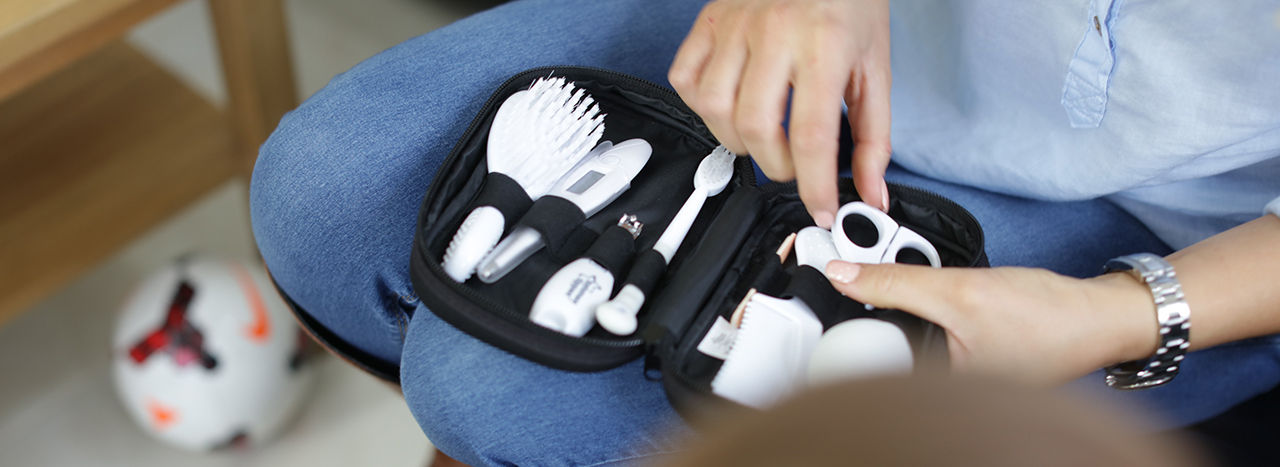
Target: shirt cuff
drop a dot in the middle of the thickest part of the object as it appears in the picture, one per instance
(1274, 207)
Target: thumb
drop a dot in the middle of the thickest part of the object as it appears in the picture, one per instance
(919, 290)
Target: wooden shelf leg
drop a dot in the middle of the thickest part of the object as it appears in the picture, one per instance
(253, 43)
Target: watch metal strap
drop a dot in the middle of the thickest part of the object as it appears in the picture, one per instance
(1173, 316)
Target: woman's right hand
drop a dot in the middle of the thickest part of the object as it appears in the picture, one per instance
(741, 59)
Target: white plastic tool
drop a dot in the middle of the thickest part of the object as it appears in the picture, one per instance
(568, 300)
(771, 353)
(618, 315)
(814, 248)
(565, 303)
(537, 136)
(860, 348)
(599, 180)
(863, 234)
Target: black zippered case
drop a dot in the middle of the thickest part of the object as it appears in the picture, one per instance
(729, 250)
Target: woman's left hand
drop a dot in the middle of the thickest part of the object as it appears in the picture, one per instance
(1028, 324)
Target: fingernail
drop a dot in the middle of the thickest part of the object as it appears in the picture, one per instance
(842, 272)
(884, 198)
(823, 219)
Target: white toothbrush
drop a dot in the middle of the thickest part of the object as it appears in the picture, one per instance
(566, 303)
(537, 136)
(601, 178)
(618, 315)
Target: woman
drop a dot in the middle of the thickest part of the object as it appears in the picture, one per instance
(1076, 132)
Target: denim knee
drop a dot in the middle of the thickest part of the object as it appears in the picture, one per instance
(484, 406)
(325, 228)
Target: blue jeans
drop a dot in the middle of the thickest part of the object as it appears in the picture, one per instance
(334, 201)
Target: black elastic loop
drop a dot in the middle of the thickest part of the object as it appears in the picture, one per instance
(772, 277)
(555, 218)
(647, 270)
(811, 286)
(613, 250)
(505, 194)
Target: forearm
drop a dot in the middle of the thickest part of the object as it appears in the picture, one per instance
(1231, 282)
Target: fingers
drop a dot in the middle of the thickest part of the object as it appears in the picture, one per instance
(869, 118)
(718, 90)
(815, 129)
(923, 291)
(738, 83)
(737, 78)
(762, 101)
(691, 58)
(708, 69)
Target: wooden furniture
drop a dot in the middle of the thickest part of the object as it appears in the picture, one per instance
(98, 143)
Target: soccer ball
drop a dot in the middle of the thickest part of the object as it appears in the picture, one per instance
(207, 356)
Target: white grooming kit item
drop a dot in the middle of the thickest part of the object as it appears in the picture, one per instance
(771, 354)
(618, 316)
(814, 248)
(537, 136)
(863, 234)
(600, 179)
(860, 348)
(568, 301)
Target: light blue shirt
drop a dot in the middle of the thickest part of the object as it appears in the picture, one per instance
(1170, 108)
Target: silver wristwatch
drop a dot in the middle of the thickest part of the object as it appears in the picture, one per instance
(1173, 315)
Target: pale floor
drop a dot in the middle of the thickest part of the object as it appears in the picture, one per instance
(57, 404)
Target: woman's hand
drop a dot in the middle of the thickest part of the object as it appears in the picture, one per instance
(741, 59)
(1028, 324)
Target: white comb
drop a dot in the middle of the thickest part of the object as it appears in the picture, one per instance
(770, 356)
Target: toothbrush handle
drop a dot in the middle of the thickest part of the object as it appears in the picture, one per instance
(645, 272)
(679, 226)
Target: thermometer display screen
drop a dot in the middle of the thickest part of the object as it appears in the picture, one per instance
(588, 179)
